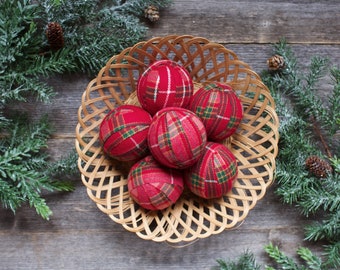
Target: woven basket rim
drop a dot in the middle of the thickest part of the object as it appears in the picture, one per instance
(254, 145)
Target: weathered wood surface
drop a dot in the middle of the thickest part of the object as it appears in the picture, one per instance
(79, 236)
(260, 21)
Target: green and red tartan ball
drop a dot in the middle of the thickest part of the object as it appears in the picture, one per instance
(219, 109)
(175, 137)
(153, 186)
(164, 84)
(123, 133)
(214, 173)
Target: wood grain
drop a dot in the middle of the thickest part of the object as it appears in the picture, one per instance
(79, 236)
(224, 21)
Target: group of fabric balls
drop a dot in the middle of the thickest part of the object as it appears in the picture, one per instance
(174, 138)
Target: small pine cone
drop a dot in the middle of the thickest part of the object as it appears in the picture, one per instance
(55, 36)
(276, 62)
(318, 167)
(152, 13)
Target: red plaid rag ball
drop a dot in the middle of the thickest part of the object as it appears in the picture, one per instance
(164, 84)
(153, 186)
(214, 173)
(123, 133)
(176, 137)
(219, 108)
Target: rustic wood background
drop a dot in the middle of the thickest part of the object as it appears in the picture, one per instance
(79, 236)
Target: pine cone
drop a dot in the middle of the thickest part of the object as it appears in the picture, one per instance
(55, 36)
(318, 167)
(152, 13)
(276, 62)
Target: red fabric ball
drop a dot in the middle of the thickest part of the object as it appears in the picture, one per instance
(219, 108)
(176, 137)
(123, 133)
(153, 186)
(164, 84)
(214, 173)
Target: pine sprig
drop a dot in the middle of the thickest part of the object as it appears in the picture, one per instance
(332, 118)
(281, 261)
(245, 262)
(322, 230)
(284, 261)
(96, 30)
(313, 262)
(21, 57)
(23, 174)
(332, 253)
(310, 260)
(301, 113)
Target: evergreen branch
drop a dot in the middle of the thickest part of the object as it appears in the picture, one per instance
(336, 164)
(35, 200)
(57, 63)
(313, 262)
(9, 195)
(327, 229)
(321, 196)
(332, 118)
(321, 137)
(332, 253)
(245, 262)
(280, 258)
(68, 165)
(107, 28)
(294, 94)
(23, 174)
(16, 87)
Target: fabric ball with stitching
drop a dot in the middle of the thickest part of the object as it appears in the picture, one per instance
(214, 173)
(123, 133)
(153, 186)
(219, 108)
(176, 137)
(164, 84)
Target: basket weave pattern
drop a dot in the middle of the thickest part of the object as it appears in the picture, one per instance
(254, 144)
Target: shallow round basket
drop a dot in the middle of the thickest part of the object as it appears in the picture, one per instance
(254, 144)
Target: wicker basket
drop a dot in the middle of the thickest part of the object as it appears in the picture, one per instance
(254, 144)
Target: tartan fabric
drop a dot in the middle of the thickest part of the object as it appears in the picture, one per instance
(153, 186)
(214, 173)
(176, 137)
(219, 108)
(123, 133)
(164, 84)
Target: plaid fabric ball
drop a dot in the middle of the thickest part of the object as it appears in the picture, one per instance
(176, 137)
(153, 186)
(219, 108)
(164, 84)
(123, 133)
(214, 173)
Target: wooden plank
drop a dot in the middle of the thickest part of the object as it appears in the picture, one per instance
(249, 21)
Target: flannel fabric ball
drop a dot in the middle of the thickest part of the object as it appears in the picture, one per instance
(164, 84)
(219, 108)
(153, 186)
(176, 137)
(123, 133)
(214, 173)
